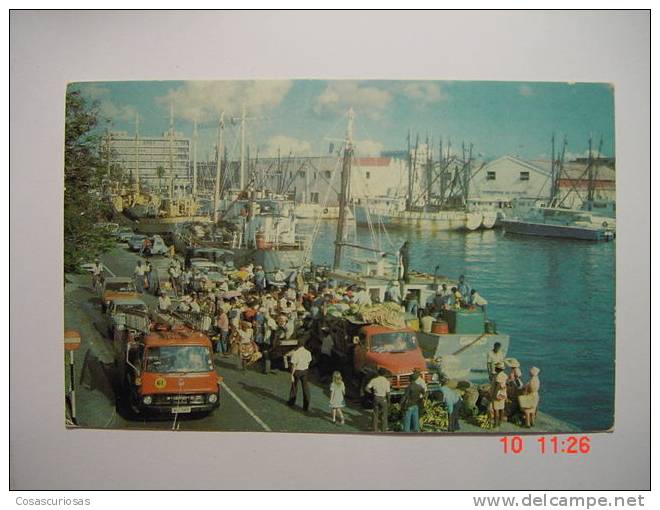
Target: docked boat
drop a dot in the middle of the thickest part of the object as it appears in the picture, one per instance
(563, 223)
(391, 212)
(261, 230)
(306, 211)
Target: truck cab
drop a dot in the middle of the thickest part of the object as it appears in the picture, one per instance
(395, 350)
(169, 370)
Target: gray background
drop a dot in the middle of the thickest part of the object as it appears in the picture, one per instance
(49, 49)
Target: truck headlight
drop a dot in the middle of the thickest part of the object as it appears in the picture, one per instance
(213, 398)
(146, 400)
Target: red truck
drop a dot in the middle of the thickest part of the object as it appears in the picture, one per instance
(368, 347)
(166, 369)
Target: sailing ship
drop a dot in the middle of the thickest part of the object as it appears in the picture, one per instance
(437, 200)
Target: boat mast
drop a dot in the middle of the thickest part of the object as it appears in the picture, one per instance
(429, 171)
(137, 153)
(194, 172)
(218, 166)
(241, 177)
(553, 171)
(410, 186)
(171, 149)
(345, 189)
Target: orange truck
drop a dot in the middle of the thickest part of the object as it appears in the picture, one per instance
(368, 347)
(166, 369)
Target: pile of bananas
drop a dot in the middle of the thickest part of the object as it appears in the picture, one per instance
(385, 314)
(434, 417)
(484, 421)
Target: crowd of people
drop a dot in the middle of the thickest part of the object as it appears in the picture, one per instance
(251, 315)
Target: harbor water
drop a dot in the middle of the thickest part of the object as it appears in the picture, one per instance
(554, 297)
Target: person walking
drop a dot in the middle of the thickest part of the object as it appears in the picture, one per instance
(380, 387)
(138, 273)
(222, 323)
(299, 362)
(410, 402)
(148, 276)
(97, 274)
(327, 346)
(453, 403)
(337, 393)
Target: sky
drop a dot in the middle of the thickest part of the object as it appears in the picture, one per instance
(304, 116)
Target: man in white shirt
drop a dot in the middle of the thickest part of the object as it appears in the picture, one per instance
(327, 345)
(139, 276)
(495, 356)
(164, 303)
(477, 300)
(300, 360)
(380, 387)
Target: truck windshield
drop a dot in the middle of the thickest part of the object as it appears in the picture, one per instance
(120, 286)
(178, 359)
(400, 341)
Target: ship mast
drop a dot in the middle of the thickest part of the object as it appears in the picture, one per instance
(171, 150)
(241, 182)
(345, 189)
(218, 165)
(137, 153)
(194, 175)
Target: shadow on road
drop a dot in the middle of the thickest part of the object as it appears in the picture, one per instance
(97, 375)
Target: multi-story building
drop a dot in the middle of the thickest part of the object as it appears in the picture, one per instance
(149, 156)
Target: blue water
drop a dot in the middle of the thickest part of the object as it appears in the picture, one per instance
(554, 297)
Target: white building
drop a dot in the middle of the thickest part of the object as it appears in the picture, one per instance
(509, 177)
(146, 154)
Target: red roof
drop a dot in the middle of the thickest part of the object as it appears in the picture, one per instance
(373, 161)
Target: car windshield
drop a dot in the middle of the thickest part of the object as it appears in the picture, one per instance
(400, 341)
(120, 286)
(134, 307)
(178, 359)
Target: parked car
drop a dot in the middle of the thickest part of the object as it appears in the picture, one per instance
(135, 244)
(158, 246)
(124, 234)
(117, 287)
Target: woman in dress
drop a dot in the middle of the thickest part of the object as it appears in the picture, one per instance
(530, 403)
(337, 392)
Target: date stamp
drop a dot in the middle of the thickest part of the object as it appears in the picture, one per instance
(548, 445)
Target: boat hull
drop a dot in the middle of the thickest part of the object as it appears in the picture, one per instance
(166, 225)
(461, 356)
(561, 231)
(421, 220)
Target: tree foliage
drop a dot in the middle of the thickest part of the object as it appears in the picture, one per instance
(83, 173)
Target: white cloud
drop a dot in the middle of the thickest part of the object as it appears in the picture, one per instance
(367, 100)
(423, 92)
(107, 108)
(526, 91)
(204, 100)
(287, 145)
(368, 148)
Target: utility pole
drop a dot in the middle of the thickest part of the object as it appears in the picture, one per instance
(218, 165)
(137, 153)
(194, 172)
(345, 189)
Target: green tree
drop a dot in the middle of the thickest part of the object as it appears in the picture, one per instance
(82, 183)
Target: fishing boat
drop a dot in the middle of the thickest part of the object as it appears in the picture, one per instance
(594, 220)
(459, 345)
(436, 198)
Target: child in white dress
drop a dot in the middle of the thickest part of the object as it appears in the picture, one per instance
(337, 392)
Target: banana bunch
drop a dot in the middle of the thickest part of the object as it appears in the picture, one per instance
(434, 417)
(484, 421)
